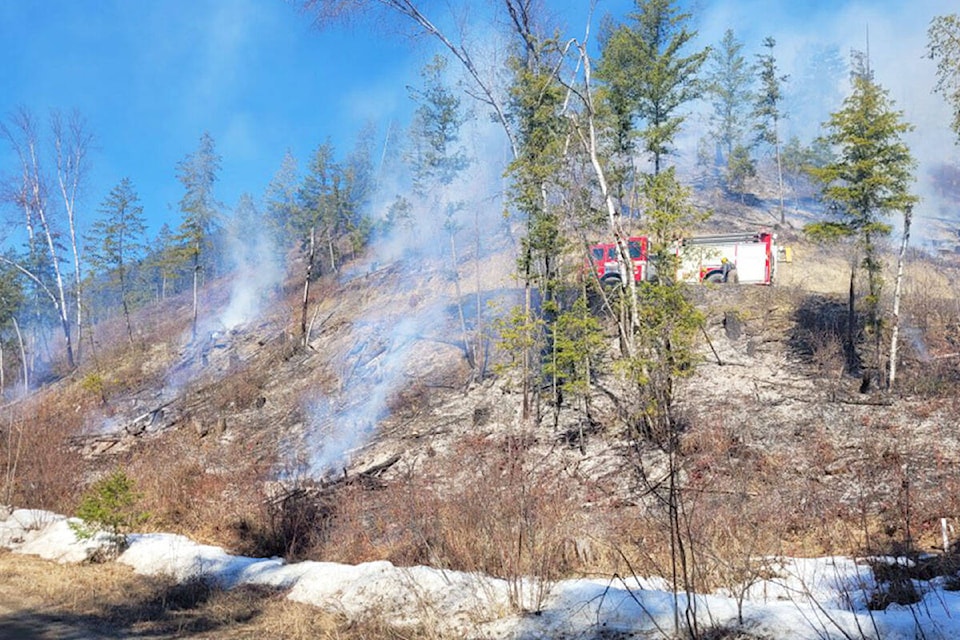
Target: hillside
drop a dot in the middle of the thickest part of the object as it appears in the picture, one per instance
(378, 441)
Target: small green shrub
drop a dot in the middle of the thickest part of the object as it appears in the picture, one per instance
(110, 505)
(93, 384)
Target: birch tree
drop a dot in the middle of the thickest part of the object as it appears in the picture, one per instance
(72, 142)
(31, 196)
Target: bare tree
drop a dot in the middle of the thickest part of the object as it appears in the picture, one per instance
(897, 291)
(72, 141)
(326, 12)
(31, 196)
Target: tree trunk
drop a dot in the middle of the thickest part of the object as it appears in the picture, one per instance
(196, 286)
(24, 365)
(464, 336)
(331, 248)
(311, 256)
(776, 135)
(614, 220)
(478, 348)
(851, 324)
(71, 147)
(126, 307)
(895, 332)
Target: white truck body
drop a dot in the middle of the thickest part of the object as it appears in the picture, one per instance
(753, 256)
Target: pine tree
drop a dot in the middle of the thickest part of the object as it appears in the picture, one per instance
(728, 81)
(316, 216)
(537, 101)
(869, 179)
(643, 63)
(280, 201)
(198, 174)
(116, 240)
(11, 301)
(437, 158)
(944, 47)
(163, 263)
(436, 155)
(767, 111)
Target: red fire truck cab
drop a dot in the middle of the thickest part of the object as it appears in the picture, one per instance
(604, 260)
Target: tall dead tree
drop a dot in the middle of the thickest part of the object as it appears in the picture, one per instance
(31, 197)
(72, 141)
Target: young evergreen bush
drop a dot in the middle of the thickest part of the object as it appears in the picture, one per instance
(110, 505)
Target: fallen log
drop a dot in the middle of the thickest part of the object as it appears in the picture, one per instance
(368, 478)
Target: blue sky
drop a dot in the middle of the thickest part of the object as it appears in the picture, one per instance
(150, 76)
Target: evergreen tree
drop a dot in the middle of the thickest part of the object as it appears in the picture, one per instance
(316, 217)
(665, 352)
(579, 346)
(740, 166)
(537, 102)
(198, 174)
(357, 186)
(728, 81)
(163, 263)
(11, 301)
(644, 64)
(437, 158)
(116, 241)
(436, 155)
(767, 110)
(869, 179)
(281, 202)
(944, 47)
(816, 90)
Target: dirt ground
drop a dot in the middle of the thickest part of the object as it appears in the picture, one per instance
(41, 600)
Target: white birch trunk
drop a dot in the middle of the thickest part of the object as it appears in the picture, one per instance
(614, 219)
(71, 151)
(895, 333)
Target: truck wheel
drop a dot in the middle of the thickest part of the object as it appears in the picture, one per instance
(714, 277)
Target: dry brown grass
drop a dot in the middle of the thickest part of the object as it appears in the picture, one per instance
(199, 488)
(39, 468)
(109, 600)
(488, 505)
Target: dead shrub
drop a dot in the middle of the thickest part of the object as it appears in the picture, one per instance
(502, 513)
(239, 390)
(293, 527)
(894, 585)
(39, 467)
(197, 490)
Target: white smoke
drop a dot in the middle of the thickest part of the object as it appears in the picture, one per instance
(255, 274)
(387, 340)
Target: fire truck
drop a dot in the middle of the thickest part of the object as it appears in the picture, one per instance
(604, 260)
(752, 258)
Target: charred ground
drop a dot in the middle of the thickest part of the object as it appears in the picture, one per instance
(376, 440)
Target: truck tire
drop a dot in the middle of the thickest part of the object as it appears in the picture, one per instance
(714, 277)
